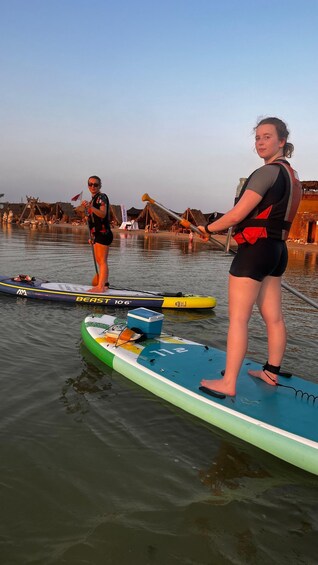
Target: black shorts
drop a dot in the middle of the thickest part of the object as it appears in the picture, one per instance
(266, 257)
(104, 238)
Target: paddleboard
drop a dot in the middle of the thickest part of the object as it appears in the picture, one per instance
(281, 420)
(31, 287)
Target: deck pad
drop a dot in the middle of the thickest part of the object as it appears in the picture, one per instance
(80, 289)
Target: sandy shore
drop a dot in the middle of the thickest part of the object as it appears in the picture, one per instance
(185, 236)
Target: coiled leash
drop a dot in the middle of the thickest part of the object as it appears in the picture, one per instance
(298, 392)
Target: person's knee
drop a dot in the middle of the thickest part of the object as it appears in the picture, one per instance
(239, 319)
(240, 315)
(273, 318)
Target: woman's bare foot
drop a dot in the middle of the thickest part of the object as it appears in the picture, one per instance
(96, 290)
(267, 377)
(219, 385)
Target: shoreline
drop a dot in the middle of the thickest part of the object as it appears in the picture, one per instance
(181, 236)
(185, 236)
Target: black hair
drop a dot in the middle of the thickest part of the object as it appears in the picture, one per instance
(96, 178)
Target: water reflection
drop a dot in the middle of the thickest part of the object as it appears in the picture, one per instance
(91, 381)
(188, 316)
(159, 242)
(6, 230)
(302, 261)
(235, 471)
(228, 467)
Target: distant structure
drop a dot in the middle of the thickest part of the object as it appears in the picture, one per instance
(152, 213)
(153, 218)
(1, 208)
(194, 216)
(32, 206)
(305, 224)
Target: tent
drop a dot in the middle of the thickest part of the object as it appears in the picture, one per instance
(133, 225)
(153, 213)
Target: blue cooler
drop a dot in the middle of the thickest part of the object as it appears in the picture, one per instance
(147, 321)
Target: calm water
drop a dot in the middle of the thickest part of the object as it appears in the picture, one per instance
(94, 469)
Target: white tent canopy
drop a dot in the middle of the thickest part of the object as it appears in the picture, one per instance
(133, 225)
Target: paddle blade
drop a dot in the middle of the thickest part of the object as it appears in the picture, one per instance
(120, 336)
(185, 223)
(95, 280)
(146, 197)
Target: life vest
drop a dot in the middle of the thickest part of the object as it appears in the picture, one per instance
(97, 224)
(270, 218)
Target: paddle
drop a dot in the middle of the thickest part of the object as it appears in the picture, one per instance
(185, 223)
(96, 276)
(85, 206)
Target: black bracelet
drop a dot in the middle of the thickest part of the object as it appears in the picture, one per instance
(207, 229)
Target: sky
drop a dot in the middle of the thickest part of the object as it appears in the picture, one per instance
(153, 96)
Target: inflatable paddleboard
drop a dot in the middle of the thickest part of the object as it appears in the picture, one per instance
(31, 287)
(281, 420)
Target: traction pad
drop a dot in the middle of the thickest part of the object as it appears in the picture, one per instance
(212, 392)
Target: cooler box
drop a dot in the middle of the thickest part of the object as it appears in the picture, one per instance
(147, 321)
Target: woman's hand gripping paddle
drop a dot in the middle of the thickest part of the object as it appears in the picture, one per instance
(188, 225)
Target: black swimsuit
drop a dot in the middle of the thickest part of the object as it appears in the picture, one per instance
(266, 257)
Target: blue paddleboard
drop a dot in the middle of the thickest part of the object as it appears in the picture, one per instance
(281, 420)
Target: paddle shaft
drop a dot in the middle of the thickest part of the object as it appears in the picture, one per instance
(183, 221)
(95, 263)
(212, 239)
(95, 279)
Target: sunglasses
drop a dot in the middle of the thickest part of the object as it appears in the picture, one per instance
(94, 184)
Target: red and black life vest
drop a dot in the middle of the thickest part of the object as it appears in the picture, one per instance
(272, 218)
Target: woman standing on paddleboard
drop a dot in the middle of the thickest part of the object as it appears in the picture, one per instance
(262, 218)
(101, 235)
